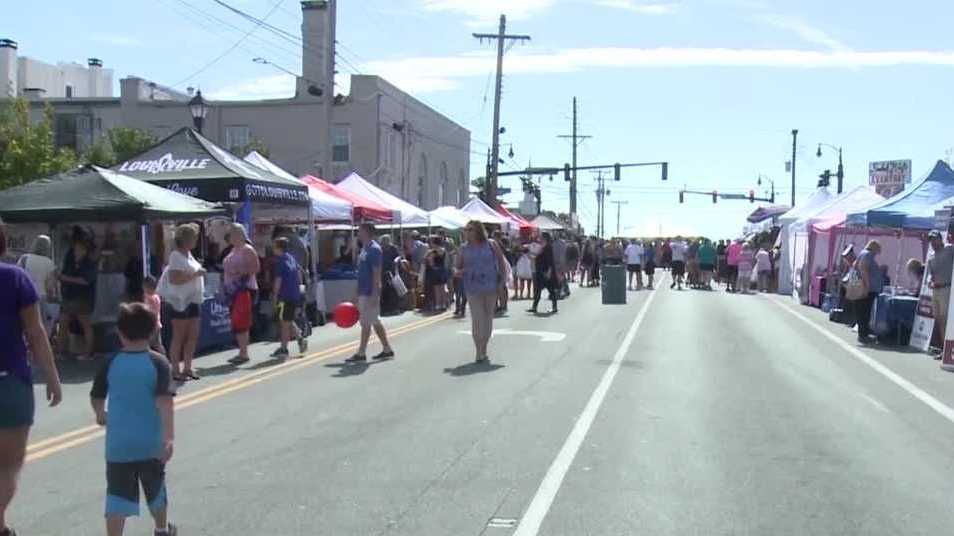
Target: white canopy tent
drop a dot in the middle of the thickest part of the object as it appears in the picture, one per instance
(546, 223)
(324, 207)
(802, 253)
(811, 206)
(476, 209)
(411, 216)
(448, 217)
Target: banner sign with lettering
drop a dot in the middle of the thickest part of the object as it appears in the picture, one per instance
(190, 164)
(889, 177)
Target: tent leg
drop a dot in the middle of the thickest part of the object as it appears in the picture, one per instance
(144, 240)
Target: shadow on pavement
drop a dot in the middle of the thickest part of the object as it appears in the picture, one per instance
(217, 370)
(267, 363)
(472, 368)
(346, 370)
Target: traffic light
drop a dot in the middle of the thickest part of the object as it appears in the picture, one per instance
(715, 196)
(665, 171)
(615, 172)
(825, 178)
(751, 196)
(682, 197)
(566, 172)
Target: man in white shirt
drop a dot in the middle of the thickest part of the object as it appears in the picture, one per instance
(633, 258)
(678, 262)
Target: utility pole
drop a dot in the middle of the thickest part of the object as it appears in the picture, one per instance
(501, 36)
(577, 139)
(601, 194)
(794, 141)
(619, 205)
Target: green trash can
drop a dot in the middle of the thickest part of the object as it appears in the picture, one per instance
(613, 284)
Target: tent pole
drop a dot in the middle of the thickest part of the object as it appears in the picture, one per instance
(144, 240)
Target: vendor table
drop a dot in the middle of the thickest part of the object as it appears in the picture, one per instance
(215, 327)
(894, 316)
(334, 288)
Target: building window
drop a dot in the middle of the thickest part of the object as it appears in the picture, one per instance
(340, 144)
(237, 137)
(64, 131)
(442, 188)
(462, 190)
(69, 92)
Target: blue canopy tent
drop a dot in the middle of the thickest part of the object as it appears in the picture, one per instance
(912, 208)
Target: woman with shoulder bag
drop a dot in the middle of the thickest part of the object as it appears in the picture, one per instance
(481, 266)
(865, 282)
(182, 286)
(241, 268)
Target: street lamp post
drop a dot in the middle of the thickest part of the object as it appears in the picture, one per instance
(199, 109)
(841, 167)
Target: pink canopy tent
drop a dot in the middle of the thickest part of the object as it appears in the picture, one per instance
(829, 237)
(517, 222)
(363, 209)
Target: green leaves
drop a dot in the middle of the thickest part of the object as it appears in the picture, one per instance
(27, 149)
(127, 142)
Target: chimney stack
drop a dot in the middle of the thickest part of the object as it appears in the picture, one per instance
(318, 46)
(8, 68)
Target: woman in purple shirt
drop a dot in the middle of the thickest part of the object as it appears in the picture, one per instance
(21, 327)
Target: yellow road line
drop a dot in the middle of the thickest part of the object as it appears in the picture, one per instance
(52, 445)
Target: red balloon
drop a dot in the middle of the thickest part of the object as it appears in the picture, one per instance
(346, 314)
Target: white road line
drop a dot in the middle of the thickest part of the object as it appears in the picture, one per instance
(943, 409)
(543, 498)
(874, 402)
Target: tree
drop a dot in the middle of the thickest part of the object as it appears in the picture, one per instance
(100, 154)
(479, 184)
(28, 150)
(128, 142)
(254, 145)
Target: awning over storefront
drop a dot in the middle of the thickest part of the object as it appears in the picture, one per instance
(188, 163)
(93, 193)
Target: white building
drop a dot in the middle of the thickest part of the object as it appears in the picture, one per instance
(23, 76)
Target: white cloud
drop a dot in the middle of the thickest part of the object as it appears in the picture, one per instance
(429, 74)
(279, 86)
(576, 59)
(643, 8)
(483, 12)
(116, 40)
(807, 32)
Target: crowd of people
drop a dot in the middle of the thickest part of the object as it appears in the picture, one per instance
(485, 271)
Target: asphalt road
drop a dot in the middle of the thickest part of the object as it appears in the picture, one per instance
(679, 413)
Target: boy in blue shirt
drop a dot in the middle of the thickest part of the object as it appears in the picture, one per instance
(286, 298)
(139, 424)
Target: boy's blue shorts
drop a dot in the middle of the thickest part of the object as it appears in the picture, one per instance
(122, 486)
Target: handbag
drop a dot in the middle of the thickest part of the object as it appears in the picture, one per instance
(398, 284)
(855, 288)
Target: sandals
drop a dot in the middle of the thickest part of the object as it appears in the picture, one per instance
(238, 360)
(191, 375)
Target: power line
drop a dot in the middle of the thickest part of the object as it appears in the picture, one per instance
(227, 51)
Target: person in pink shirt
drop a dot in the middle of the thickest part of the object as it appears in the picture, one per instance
(154, 304)
(746, 261)
(732, 260)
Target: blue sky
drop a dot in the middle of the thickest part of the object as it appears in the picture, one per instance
(712, 86)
